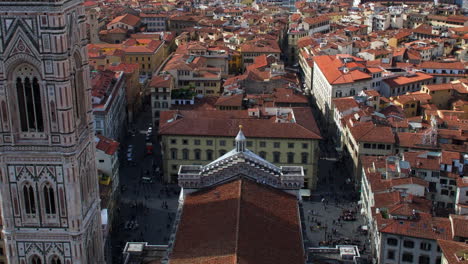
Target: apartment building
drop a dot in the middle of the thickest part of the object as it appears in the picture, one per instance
(402, 83)
(216, 56)
(283, 136)
(341, 76)
(361, 137)
(192, 72)
(255, 48)
(305, 27)
(402, 229)
(444, 72)
(161, 87)
(440, 170)
(109, 103)
(154, 22)
(148, 54)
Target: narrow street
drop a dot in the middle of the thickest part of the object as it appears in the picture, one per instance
(147, 206)
(332, 214)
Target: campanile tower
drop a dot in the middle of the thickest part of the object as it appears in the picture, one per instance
(48, 181)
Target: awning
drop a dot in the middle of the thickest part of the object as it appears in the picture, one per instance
(305, 192)
(104, 216)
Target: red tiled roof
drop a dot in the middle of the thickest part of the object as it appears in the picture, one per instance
(420, 161)
(455, 65)
(233, 100)
(125, 67)
(409, 140)
(459, 225)
(316, 20)
(368, 132)
(345, 103)
(128, 19)
(404, 80)
(330, 67)
(425, 226)
(161, 81)
(226, 123)
(107, 145)
(451, 249)
(239, 222)
(397, 204)
(439, 87)
(286, 95)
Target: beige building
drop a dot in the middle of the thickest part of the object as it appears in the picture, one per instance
(161, 87)
(283, 136)
(361, 137)
(195, 74)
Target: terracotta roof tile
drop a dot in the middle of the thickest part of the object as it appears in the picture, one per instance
(234, 222)
(451, 249)
(425, 226)
(332, 67)
(459, 225)
(107, 145)
(226, 123)
(233, 100)
(368, 132)
(345, 103)
(404, 80)
(128, 19)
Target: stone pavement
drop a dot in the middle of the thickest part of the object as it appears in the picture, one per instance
(321, 213)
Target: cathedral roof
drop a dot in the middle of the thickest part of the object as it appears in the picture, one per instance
(240, 221)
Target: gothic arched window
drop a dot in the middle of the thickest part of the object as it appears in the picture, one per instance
(29, 201)
(36, 260)
(49, 199)
(28, 93)
(55, 260)
(77, 79)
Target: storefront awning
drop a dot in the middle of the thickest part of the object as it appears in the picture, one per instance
(305, 192)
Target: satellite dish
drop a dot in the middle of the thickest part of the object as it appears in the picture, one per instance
(345, 70)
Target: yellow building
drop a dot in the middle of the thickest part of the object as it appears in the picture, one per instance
(149, 55)
(441, 94)
(411, 102)
(283, 136)
(235, 62)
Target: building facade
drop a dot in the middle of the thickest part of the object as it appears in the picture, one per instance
(109, 101)
(49, 186)
(187, 139)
